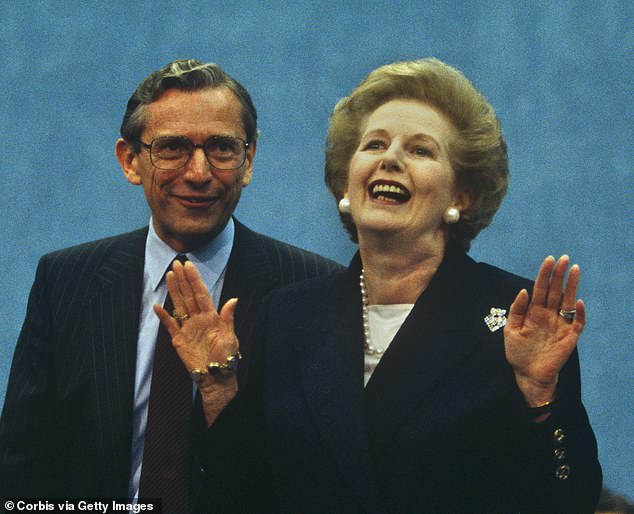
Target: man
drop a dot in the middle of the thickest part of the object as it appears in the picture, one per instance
(76, 413)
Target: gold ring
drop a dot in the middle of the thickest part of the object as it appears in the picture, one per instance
(180, 317)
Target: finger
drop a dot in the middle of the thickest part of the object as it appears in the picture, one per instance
(540, 289)
(166, 319)
(580, 316)
(187, 292)
(200, 293)
(518, 310)
(173, 286)
(570, 293)
(553, 300)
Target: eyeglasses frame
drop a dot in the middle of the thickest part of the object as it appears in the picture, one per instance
(148, 147)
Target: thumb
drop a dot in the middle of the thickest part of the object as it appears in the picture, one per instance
(228, 310)
(518, 310)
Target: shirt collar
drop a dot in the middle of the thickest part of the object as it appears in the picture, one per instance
(210, 259)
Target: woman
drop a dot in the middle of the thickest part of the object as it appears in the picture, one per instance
(418, 380)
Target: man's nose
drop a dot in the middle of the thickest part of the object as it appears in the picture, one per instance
(198, 168)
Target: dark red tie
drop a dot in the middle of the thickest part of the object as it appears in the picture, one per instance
(166, 468)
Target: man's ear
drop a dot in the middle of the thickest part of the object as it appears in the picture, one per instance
(128, 160)
(248, 163)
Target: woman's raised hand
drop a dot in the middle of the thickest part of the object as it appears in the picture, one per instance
(540, 334)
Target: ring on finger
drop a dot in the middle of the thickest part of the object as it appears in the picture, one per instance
(180, 317)
(567, 314)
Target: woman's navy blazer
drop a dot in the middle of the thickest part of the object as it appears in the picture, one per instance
(440, 427)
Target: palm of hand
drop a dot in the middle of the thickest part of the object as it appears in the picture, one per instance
(537, 340)
(202, 335)
(197, 338)
(541, 345)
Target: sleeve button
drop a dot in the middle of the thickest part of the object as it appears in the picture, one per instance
(559, 435)
(560, 454)
(562, 472)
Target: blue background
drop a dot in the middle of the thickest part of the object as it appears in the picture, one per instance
(558, 73)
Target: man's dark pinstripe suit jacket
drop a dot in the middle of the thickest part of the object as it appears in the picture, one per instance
(66, 425)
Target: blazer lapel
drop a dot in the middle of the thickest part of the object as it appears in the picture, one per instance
(331, 360)
(439, 334)
(114, 312)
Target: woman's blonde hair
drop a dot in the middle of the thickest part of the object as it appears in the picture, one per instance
(477, 152)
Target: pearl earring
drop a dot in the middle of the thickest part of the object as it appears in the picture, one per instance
(344, 205)
(451, 215)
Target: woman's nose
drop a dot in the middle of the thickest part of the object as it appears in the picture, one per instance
(393, 158)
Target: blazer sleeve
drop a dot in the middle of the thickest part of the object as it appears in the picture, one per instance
(559, 470)
(27, 423)
(552, 466)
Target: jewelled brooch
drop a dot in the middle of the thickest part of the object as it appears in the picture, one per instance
(496, 319)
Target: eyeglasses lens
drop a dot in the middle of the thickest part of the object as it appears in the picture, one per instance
(225, 153)
(222, 152)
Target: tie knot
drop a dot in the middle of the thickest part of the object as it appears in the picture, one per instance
(182, 258)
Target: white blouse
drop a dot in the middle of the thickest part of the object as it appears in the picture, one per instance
(385, 320)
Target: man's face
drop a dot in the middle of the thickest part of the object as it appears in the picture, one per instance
(191, 205)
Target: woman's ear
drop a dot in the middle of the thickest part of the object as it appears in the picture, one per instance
(462, 201)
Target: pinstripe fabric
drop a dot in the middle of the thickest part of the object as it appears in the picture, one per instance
(66, 425)
(259, 264)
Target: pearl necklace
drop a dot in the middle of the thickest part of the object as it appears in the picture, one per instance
(367, 346)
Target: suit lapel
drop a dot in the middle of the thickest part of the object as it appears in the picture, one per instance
(114, 325)
(248, 270)
(249, 276)
(438, 335)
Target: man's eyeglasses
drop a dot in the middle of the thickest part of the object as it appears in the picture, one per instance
(174, 152)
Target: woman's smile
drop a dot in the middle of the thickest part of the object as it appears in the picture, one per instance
(389, 192)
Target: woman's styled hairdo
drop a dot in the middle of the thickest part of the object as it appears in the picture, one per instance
(477, 152)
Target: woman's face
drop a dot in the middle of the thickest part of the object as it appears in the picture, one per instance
(400, 179)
